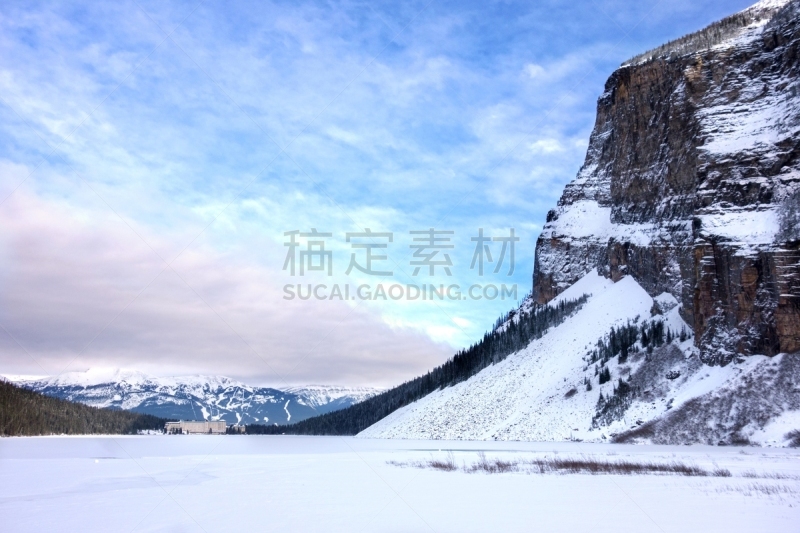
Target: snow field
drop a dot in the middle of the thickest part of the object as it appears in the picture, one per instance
(329, 484)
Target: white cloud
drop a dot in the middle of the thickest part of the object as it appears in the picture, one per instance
(534, 71)
(462, 322)
(547, 146)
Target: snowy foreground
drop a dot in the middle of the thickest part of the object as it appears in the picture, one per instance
(255, 483)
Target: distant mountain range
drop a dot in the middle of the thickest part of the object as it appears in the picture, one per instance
(194, 397)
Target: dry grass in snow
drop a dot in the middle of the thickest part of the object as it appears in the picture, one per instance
(569, 465)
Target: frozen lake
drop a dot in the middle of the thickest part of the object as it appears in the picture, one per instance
(270, 483)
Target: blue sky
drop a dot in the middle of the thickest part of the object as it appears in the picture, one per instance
(152, 155)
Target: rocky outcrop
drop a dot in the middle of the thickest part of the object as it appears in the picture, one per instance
(693, 163)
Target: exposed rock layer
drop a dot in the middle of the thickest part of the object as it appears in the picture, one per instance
(692, 161)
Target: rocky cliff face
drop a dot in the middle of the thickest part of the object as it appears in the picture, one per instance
(691, 184)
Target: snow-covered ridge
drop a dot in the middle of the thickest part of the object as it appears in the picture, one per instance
(194, 397)
(739, 28)
(105, 375)
(319, 395)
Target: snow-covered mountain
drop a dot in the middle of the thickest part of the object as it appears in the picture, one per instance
(684, 227)
(194, 397)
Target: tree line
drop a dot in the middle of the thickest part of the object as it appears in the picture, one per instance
(24, 412)
(622, 341)
(513, 333)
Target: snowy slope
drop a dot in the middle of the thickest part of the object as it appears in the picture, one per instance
(521, 397)
(194, 397)
(539, 394)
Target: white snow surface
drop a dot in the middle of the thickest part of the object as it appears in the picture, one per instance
(744, 227)
(587, 219)
(331, 484)
(774, 433)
